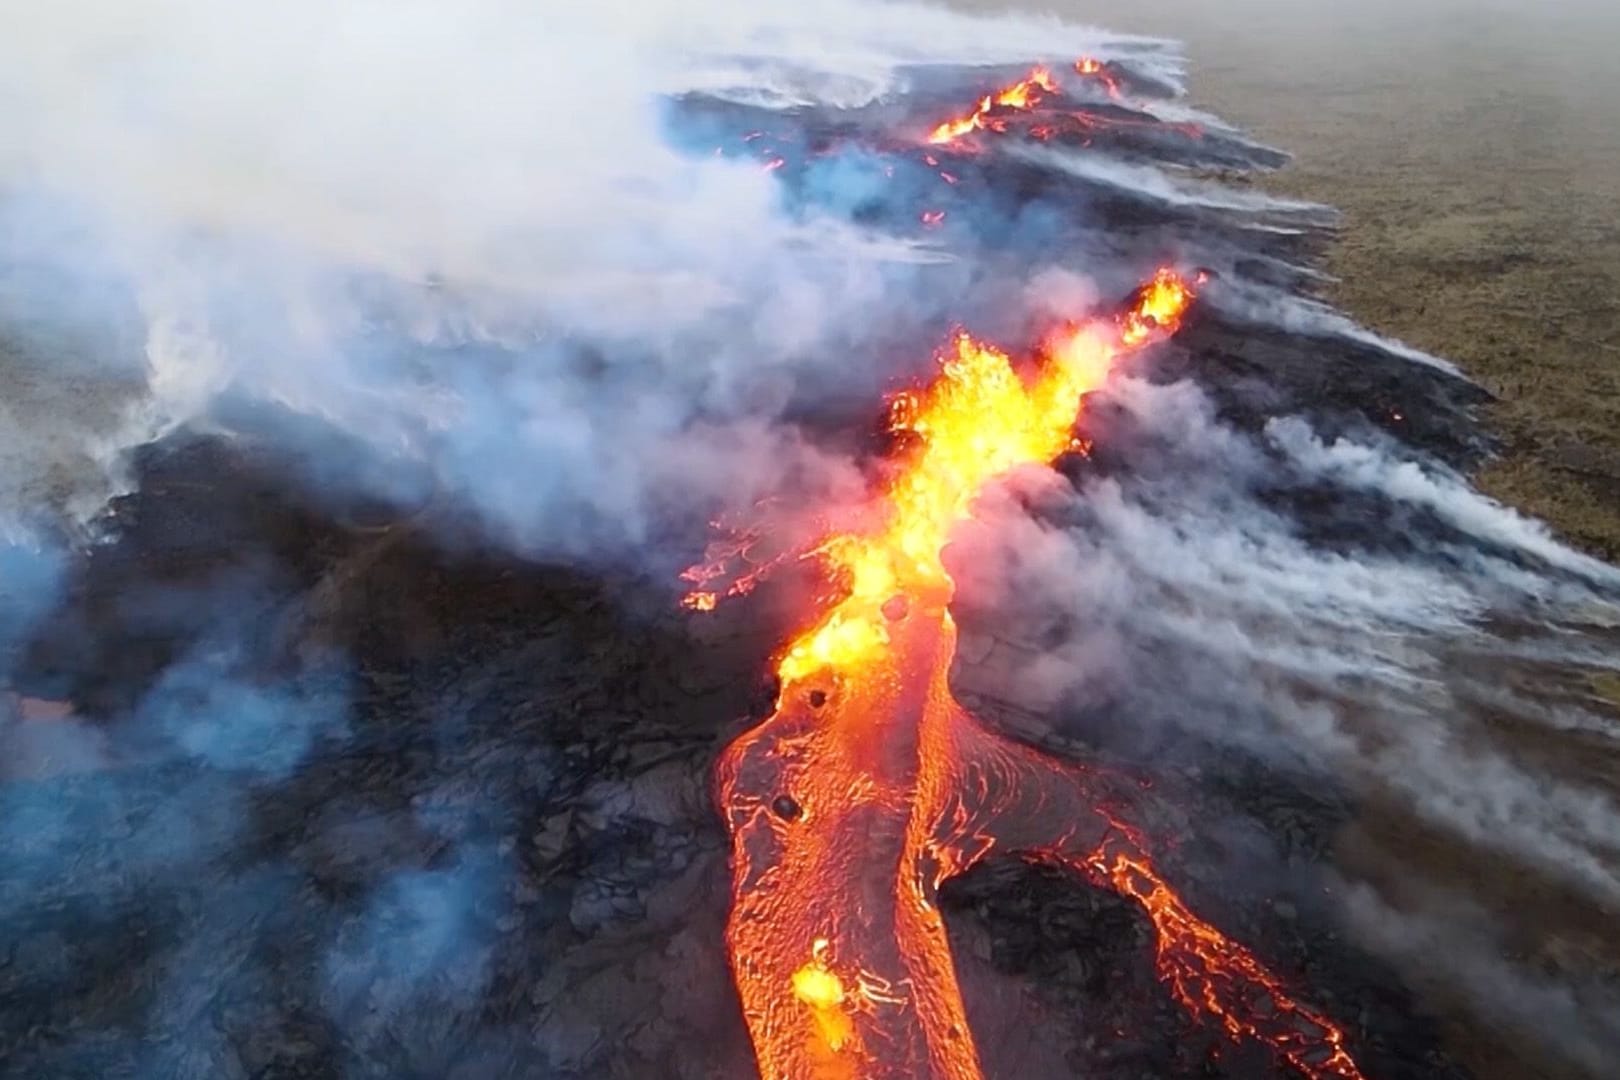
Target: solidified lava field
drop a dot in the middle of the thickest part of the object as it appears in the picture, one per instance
(361, 732)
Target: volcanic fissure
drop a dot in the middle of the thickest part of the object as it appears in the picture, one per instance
(869, 785)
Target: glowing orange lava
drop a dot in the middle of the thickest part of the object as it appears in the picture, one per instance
(1208, 973)
(869, 786)
(1095, 69)
(1023, 94)
(1026, 103)
(736, 557)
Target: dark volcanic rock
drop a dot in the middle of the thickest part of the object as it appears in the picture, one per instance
(354, 794)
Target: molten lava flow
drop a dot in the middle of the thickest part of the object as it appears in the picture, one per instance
(738, 558)
(1207, 973)
(1095, 69)
(869, 786)
(1027, 101)
(1023, 94)
(1159, 305)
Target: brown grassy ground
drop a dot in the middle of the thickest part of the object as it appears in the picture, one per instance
(1474, 146)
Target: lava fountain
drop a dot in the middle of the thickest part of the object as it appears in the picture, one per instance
(869, 785)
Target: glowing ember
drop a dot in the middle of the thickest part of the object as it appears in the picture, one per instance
(1203, 970)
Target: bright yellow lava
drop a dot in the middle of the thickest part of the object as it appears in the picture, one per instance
(823, 992)
(818, 987)
(1023, 94)
(977, 421)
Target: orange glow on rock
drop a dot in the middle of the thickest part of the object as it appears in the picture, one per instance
(1023, 94)
(1095, 69)
(822, 993)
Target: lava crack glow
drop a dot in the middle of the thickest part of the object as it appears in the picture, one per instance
(869, 785)
(1032, 103)
(1023, 94)
(1088, 67)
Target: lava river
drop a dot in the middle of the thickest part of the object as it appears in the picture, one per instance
(870, 786)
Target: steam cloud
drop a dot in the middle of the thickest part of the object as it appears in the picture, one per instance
(462, 255)
(310, 205)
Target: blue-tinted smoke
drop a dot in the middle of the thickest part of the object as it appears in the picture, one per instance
(30, 579)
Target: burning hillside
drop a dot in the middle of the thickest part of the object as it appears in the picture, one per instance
(1065, 582)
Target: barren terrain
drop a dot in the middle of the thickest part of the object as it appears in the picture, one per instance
(1474, 147)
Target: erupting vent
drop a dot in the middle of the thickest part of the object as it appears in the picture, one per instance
(869, 786)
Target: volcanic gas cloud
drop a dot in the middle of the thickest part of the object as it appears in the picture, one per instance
(391, 763)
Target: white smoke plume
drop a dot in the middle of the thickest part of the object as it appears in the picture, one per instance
(1467, 958)
(1183, 601)
(462, 236)
(298, 203)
